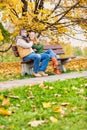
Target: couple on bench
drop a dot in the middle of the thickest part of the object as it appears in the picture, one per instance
(25, 46)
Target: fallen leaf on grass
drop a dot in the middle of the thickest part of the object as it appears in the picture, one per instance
(2, 127)
(53, 119)
(35, 123)
(65, 104)
(5, 112)
(6, 102)
(75, 88)
(30, 97)
(86, 98)
(74, 109)
(57, 95)
(60, 110)
(86, 85)
(57, 109)
(18, 105)
(15, 97)
(47, 104)
(51, 88)
(81, 91)
(42, 86)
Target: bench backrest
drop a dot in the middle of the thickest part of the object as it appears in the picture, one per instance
(56, 48)
(14, 48)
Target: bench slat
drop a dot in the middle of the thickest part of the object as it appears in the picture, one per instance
(46, 47)
(27, 61)
(58, 52)
(14, 48)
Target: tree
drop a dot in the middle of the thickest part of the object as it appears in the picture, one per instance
(4, 37)
(5, 34)
(57, 21)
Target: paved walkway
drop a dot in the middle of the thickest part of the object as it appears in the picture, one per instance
(31, 81)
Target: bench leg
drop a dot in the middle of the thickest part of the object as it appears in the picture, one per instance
(27, 68)
(61, 67)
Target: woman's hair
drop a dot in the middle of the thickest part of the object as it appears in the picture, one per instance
(32, 33)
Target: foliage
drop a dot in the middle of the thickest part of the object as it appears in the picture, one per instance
(49, 105)
(77, 51)
(1, 36)
(4, 33)
(58, 20)
(85, 51)
(68, 49)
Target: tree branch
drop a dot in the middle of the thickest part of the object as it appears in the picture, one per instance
(6, 49)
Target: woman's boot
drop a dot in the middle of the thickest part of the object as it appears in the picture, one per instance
(55, 65)
(57, 71)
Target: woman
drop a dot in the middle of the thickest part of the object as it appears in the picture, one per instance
(39, 49)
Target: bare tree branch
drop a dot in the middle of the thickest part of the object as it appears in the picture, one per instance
(67, 11)
(6, 49)
(75, 38)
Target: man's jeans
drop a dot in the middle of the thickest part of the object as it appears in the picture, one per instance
(40, 61)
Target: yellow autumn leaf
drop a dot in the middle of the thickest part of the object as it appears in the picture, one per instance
(1, 36)
(1, 97)
(5, 112)
(53, 119)
(60, 110)
(57, 109)
(6, 102)
(47, 104)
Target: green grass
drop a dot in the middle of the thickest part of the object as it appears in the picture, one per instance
(29, 106)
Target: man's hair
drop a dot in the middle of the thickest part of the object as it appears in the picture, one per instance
(22, 31)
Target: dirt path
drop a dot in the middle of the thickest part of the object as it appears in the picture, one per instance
(31, 81)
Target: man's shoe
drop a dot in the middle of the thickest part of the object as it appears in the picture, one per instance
(42, 73)
(36, 74)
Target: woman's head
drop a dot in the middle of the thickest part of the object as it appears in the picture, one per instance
(32, 36)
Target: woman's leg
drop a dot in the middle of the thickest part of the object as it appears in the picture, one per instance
(51, 53)
(53, 57)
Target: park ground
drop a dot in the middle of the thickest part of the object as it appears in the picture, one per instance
(60, 104)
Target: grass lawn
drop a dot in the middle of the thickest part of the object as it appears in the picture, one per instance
(60, 105)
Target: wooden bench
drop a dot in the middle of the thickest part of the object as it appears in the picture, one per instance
(27, 66)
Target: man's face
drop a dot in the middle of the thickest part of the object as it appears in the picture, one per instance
(24, 33)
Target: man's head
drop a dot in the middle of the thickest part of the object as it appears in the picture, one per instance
(23, 32)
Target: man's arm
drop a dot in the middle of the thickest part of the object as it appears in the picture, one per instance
(24, 44)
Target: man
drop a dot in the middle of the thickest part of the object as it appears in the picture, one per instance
(26, 52)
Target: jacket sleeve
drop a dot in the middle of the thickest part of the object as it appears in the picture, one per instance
(24, 44)
(37, 46)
